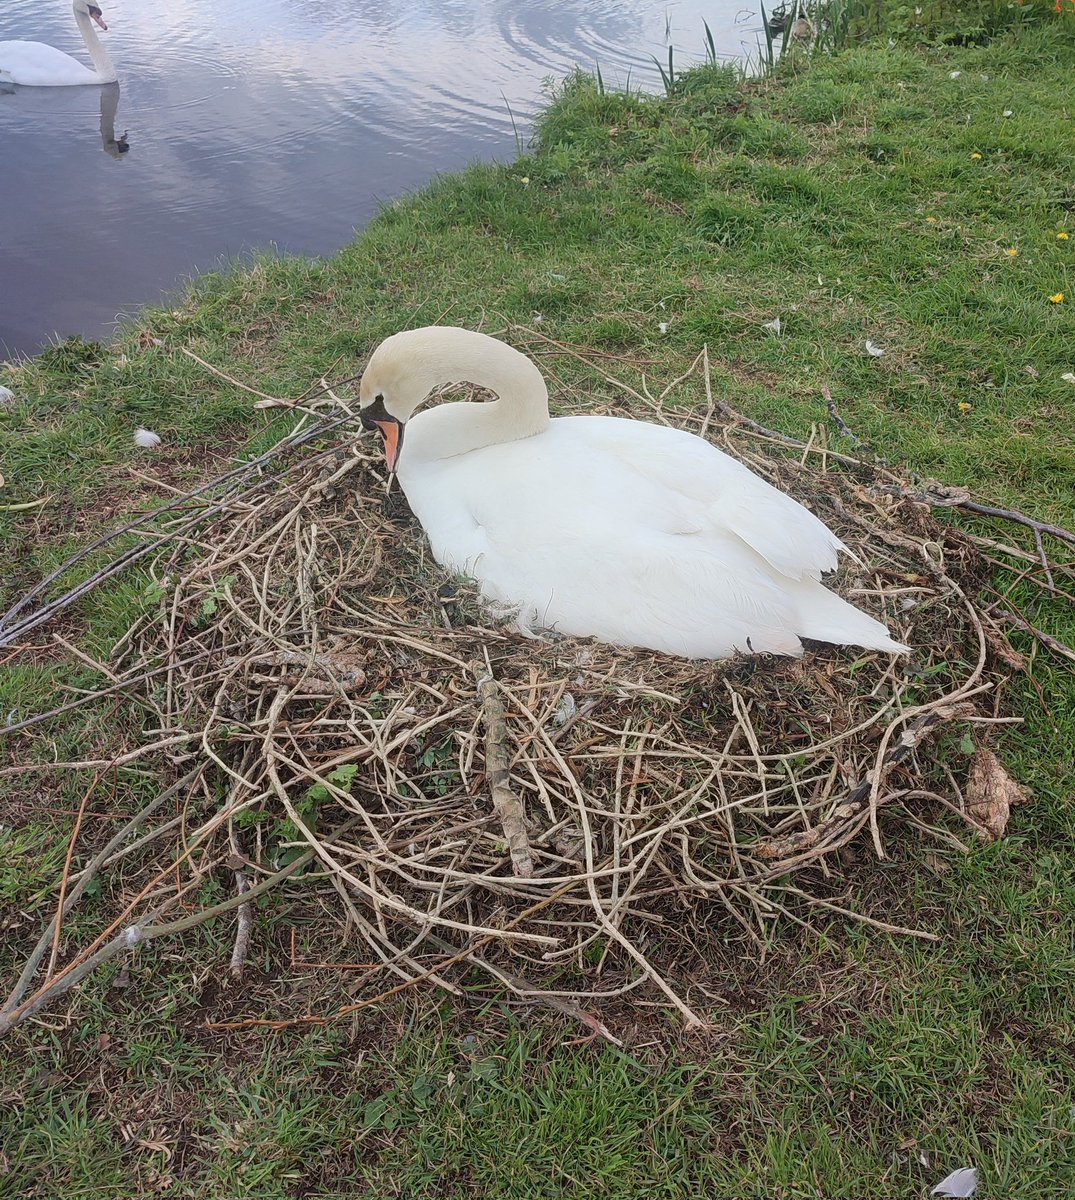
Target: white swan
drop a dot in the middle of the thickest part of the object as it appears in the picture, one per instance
(605, 527)
(33, 64)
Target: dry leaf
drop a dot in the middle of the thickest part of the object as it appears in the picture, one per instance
(991, 793)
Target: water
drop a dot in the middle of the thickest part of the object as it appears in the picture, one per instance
(285, 123)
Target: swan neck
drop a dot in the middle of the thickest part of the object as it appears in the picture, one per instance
(520, 410)
(99, 56)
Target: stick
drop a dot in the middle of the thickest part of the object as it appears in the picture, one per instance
(509, 808)
(840, 423)
(89, 872)
(243, 928)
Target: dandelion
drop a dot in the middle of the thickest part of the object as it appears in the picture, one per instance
(975, 156)
(1062, 236)
(964, 406)
(931, 220)
(1058, 298)
(1012, 251)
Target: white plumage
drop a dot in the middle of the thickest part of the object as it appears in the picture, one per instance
(35, 64)
(629, 532)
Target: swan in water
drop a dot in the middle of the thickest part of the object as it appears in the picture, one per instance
(605, 527)
(33, 64)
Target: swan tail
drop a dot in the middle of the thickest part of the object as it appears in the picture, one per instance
(826, 617)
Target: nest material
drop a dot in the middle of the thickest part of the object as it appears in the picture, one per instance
(563, 814)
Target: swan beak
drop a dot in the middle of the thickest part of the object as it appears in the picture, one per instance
(392, 433)
(97, 16)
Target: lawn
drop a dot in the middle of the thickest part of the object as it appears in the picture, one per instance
(916, 194)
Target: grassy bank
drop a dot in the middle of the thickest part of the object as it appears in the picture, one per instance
(915, 198)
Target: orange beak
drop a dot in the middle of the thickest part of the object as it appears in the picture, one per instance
(392, 434)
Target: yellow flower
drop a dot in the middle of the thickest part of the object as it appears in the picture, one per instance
(964, 406)
(931, 220)
(1062, 236)
(976, 155)
(1011, 252)
(1057, 299)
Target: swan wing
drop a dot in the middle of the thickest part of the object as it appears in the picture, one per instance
(35, 64)
(585, 545)
(718, 492)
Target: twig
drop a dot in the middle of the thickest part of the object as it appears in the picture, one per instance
(509, 808)
(243, 926)
(839, 422)
(88, 874)
(1046, 639)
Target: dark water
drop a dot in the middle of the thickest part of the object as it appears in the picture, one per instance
(256, 123)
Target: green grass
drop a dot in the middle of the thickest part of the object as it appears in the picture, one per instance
(845, 198)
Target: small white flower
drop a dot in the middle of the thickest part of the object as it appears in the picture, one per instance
(663, 327)
(1068, 377)
(1007, 113)
(872, 350)
(954, 74)
(774, 326)
(962, 1182)
(147, 439)
(6, 395)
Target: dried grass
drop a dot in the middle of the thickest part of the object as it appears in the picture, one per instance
(311, 673)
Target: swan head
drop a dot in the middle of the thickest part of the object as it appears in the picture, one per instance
(400, 374)
(82, 8)
(407, 366)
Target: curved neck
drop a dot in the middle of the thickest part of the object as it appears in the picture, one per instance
(99, 56)
(520, 410)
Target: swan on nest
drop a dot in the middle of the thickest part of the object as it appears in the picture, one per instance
(594, 526)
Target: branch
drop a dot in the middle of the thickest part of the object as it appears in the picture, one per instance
(509, 808)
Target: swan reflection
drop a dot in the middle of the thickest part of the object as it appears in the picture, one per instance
(110, 144)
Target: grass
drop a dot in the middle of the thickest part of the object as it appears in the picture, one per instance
(870, 196)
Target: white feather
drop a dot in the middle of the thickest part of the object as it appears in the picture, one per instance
(963, 1181)
(146, 438)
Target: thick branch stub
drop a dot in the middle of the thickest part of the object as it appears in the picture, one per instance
(509, 808)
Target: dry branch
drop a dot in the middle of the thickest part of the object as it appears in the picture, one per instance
(509, 808)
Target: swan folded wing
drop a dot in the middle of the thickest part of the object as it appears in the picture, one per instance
(720, 490)
(680, 594)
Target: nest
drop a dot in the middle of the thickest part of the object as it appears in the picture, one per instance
(567, 817)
